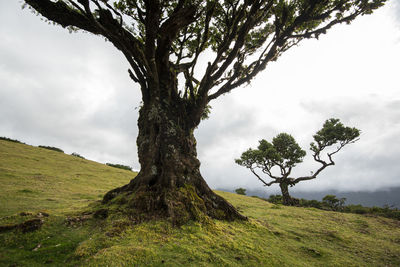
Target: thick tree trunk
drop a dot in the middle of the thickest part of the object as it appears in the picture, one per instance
(169, 184)
(286, 198)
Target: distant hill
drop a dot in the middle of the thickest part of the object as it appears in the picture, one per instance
(378, 198)
(59, 192)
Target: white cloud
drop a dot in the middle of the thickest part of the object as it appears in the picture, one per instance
(395, 4)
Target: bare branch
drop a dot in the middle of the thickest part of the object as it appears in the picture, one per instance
(179, 19)
(305, 178)
(115, 11)
(202, 38)
(105, 25)
(262, 180)
(266, 168)
(62, 14)
(153, 13)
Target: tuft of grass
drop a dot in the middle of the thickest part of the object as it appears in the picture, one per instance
(36, 181)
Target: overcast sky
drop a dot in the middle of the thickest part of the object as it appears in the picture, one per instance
(73, 91)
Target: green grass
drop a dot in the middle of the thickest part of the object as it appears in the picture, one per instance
(34, 179)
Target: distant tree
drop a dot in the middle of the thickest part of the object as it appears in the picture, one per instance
(333, 202)
(120, 166)
(10, 140)
(284, 154)
(77, 155)
(52, 148)
(240, 191)
(165, 44)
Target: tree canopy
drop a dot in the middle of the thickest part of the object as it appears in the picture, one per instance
(242, 35)
(284, 154)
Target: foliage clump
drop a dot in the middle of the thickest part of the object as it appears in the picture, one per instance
(333, 202)
(77, 155)
(385, 211)
(52, 148)
(240, 191)
(10, 140)
(275, 199)
(120, 166)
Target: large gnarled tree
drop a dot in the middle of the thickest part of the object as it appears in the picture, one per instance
(277, 159)
(165, 43)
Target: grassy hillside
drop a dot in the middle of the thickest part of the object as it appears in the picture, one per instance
(36, 180)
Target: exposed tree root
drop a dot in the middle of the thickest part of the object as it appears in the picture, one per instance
(176, 204)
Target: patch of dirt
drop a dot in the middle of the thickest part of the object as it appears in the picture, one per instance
(78, 220)
(27, 226)
(42, 214)
(30, 225)
(25, 213)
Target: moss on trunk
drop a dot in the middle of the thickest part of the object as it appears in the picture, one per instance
(169, 184)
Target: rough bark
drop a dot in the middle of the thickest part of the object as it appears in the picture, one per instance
(169, 184)
(286, 198)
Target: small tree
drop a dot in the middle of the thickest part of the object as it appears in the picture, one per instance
(240, 191)
(284, 154)
(120, 166)
(77, 155)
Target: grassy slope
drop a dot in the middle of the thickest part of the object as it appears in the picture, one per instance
(34, 179)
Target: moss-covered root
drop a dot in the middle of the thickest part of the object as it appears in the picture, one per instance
(178, 205)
